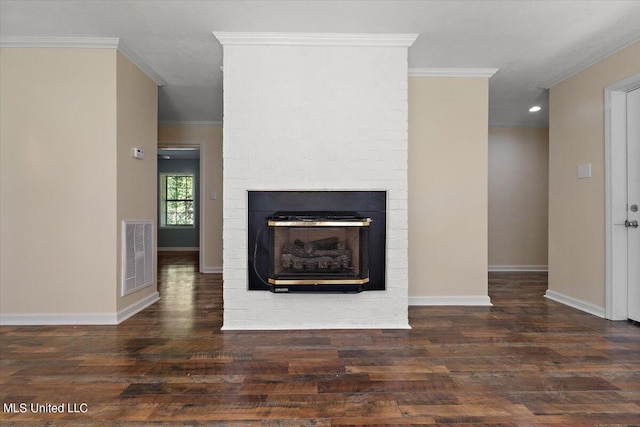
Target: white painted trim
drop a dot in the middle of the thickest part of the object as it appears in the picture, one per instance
(137, 307)
(211, 270)
(480, 300)
(141, 64)
(84, 43)
(615, 147)
(615, 143)
(315, 39)
(178, 249)
(452, 72)
(554, 81)
(58, 319)
(60, 42)
(78, 318)
(202, 223)
(190, 123)
(575, 303)
(315, 327)
(540, 268)
(200, 144)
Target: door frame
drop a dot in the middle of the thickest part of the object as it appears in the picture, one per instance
(200, 145)
(615, 137)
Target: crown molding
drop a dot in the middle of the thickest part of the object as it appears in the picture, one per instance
(452, 72)
(140, 63)
(560, 78)
(61, 42)
(83, 43)
(315, 39)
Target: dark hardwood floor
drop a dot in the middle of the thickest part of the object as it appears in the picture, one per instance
(525, 361)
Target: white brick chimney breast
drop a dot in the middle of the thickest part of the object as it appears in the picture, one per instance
(314, 112)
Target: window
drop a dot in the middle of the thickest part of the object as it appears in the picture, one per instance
(177, 203)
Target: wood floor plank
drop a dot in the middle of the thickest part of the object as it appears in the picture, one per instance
(413, 368)
(525, 361)
(584, 408)
(465, 410)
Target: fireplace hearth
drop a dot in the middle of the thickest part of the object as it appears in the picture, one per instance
(296, 244)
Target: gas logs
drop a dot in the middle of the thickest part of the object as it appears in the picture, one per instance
(323, 254)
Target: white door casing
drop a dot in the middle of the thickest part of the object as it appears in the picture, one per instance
(633, 203)
(199, 144)
(617, 205)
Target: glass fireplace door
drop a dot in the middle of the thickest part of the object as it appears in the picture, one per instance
(318, 249)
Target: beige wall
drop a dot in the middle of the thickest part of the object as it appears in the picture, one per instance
(137, 103)
(210, 140)
(58, 181)
(577, 207)
(69, 120)
(518, 196)
(448, 120)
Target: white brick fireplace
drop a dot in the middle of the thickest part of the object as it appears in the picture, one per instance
(314, 112)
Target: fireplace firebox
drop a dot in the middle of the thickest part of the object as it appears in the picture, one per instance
(303, 249)
(318, 248)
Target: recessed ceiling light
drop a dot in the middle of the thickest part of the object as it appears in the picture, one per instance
(534, 109)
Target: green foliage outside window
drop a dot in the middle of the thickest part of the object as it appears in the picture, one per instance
(178, 206)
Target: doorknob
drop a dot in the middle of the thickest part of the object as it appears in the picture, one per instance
(631, 224)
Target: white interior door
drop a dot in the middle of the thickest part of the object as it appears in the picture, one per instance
(633, 205)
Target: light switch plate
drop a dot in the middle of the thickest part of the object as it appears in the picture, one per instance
(584, 170)
(214, 195)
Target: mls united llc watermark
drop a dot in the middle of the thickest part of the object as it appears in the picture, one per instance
(45, 408)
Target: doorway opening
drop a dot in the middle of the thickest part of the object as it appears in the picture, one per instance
(180, 197)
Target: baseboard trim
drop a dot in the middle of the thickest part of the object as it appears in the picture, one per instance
(45, 319)
(312, 327)
(52, 319)
(178, 249)
(137, 307)
(211, 270)
(575, 303)
(479, 300)
(523, 268)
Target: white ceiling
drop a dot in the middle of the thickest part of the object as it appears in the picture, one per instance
(533, 43)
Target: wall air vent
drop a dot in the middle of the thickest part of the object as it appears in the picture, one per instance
(137, 255)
